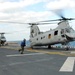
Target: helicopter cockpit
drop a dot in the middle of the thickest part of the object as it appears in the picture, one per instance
(69, 30)
(3, 38)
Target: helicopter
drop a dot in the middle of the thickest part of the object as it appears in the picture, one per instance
(2, 39)
(62, 34)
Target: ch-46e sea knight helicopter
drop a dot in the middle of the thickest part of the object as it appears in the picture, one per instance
(62, 34)
(2, 39)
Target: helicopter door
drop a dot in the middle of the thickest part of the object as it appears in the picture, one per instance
(56, 33)
(63, 32)
(49, 36)
(55, 39)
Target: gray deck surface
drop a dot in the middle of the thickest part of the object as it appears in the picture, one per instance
(36, 62)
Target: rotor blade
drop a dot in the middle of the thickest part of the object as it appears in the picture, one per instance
(2, 32)
(47, 23)
(12, 22)
(11, 32)
(58, 19)
(72, 18)
(39, 22)
(59, 12)
(42, 23)
(5, 33)
(50, 20)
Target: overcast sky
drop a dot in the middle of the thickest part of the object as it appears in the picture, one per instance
(31, 11)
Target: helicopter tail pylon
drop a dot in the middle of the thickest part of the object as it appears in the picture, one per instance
(34, 30)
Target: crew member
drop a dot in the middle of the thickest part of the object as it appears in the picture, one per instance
(23, 44)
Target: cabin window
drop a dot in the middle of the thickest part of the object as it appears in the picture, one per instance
(49, 36)
(56, 32)
(3, 37)
(62, 31)
(63, 35)
(41, 37)
(37, 39)
(32, 31)
(67, 30)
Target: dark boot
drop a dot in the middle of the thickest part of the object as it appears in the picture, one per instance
(22, 52)
(19, 50)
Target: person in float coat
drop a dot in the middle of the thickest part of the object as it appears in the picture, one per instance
(23, 44)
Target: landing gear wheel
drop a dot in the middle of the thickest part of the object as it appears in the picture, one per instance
(67, 49)
(31, 47)
(49, 46)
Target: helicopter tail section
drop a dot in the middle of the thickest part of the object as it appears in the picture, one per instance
(34, 31)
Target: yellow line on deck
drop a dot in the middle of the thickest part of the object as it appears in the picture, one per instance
(48, 52)
(64, 53)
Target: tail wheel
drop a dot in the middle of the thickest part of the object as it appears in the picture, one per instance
(32, 47)
(49, 46)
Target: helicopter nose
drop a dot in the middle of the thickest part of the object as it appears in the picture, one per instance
(70, 36)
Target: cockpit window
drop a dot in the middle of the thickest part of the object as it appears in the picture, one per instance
(62, 31)
(3, 37)
(68, 30)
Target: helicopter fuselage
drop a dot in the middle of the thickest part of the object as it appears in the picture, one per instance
(50, 37)
(2, 39)
(62, 34)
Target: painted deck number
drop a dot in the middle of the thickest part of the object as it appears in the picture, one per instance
(68, 65)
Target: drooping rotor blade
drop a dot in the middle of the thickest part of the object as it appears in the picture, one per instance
(12, 22)
(50, 20)
(71, 18)
(2, 33)
(12, 32)
(47, 23)
(58, 19)
(42, 23)
(32, 23)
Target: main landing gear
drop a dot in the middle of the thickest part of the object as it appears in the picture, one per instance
(49, 46)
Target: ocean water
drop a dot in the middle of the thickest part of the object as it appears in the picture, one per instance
(19, 42)
(72, 44)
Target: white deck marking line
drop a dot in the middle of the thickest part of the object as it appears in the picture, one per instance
(34, 61)
(72, 52)
(23, 54)
(68, 65)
